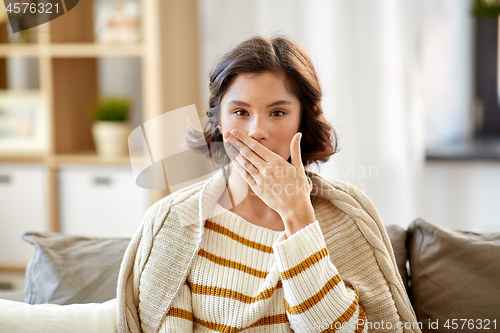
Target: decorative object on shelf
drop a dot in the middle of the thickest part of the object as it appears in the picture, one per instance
(111, 127)
(117, 21)
(23, 123)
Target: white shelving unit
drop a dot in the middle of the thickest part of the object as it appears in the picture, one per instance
(68, 64)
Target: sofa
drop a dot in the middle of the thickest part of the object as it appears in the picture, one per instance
(452, 277)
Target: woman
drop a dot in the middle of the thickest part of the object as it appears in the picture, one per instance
(264, 245)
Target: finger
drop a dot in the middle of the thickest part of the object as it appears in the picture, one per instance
(295, 151)
(236, 152)
(246, 151)
(247, 165)
(255, 146)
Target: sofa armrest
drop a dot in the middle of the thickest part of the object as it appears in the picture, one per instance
(75, 318)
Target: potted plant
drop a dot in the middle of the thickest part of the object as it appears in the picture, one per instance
(486, 8)
(111, 127)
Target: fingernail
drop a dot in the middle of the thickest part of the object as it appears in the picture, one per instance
(300, 136)
(235, 132)
(226, 135)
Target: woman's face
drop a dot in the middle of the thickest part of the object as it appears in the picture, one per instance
(261, 106)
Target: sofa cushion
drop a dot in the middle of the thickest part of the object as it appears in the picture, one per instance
(69, 269)
(397, 236)
(454, 275)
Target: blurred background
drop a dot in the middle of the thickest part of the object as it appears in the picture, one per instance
(411, 88)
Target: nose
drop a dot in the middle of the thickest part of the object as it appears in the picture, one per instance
(258, 129)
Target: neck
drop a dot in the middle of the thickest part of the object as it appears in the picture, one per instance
(239, 196)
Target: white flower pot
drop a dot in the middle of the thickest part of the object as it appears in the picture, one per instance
(111, 138)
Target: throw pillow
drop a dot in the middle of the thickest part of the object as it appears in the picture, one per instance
(454, 278)
(70, 269)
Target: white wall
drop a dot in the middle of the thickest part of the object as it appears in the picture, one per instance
(462, 195)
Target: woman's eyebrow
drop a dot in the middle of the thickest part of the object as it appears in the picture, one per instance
(280, 102)
(241, 103)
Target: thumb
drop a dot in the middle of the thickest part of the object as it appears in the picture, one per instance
(295, 151)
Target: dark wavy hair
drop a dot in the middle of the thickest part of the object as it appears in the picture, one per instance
(283, 57)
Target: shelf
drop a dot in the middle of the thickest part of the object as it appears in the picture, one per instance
(83, 50)
(72, 50)
(478, 149)
(22, 158)
(31, 50)
(68, 68)
(76, 158)
(90, 158)
(12, 268)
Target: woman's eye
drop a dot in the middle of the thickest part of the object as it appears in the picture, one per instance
(237, 112)
(280, 113)
(276, 113)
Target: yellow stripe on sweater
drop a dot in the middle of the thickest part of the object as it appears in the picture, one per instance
(228, 293)
(180, 313)
(226, 232)
(232, 264)
(288, 274)
(264, 321)
(344, 318)
(313, 300)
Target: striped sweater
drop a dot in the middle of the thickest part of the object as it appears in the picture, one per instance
(161, 256)
(247, 277)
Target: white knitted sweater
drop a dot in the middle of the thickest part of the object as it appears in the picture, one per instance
(160, 256)
(249, 278)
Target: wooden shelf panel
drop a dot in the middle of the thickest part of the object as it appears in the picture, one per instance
(12, 268)
(26, 50)
(72, 50)
(83, 50)
(75, 89)
(90, 158)
(87, 157)
(77, 25)
(22, 158)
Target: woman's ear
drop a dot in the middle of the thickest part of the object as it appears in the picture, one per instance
(220, 129)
